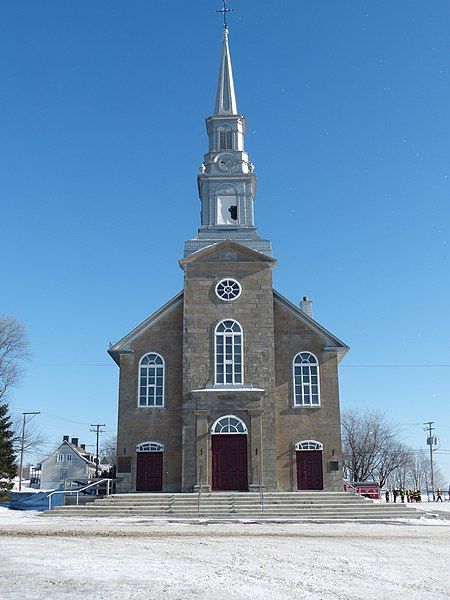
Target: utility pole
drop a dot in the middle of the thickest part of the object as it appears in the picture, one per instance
(430, 440)
(97, 432)
(22, 444)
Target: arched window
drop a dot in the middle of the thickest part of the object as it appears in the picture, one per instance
(225, 134)
(227, 205)
(229, 424)
(228, 352)
(150, 447)
(151, 380)
(309, 445)
(306, 380)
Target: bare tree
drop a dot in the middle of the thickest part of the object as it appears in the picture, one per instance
(371, 445)
(13, 352)
(109, 449)
(393, 460)
(34, 440)
(418, 471)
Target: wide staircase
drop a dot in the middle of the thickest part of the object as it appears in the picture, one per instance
(241, 505)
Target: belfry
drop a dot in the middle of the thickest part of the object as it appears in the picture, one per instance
(229, 385)
(227, 182)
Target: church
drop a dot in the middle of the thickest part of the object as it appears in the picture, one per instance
(229, 385)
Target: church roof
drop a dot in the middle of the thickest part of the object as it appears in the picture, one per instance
(332, 343)
(124, 345)
(226, 97)
(229, 244)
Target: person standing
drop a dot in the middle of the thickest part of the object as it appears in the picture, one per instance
(439, 495)
(395, 494)
(386, 495)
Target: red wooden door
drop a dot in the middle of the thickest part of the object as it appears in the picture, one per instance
(149, 470)
(229, 462)
(309, 470)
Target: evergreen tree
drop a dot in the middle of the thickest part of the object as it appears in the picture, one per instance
(8, 468)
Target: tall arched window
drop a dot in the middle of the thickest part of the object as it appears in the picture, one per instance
(228, 352)
(306, 380)
(151, 380)
(225, 138)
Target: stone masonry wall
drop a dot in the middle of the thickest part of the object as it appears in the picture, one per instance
(295, 424)
(138, 425)
(202, 312)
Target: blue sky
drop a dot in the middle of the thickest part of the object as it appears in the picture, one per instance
(102, 108)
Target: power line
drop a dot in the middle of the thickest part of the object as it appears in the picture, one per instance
(51, 416)
(392, 366)
(71, 365)
(368, 366)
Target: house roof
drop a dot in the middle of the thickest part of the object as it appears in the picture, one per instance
(78, 451)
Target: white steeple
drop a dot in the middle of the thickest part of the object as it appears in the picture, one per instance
(226, 97)
(227, 181)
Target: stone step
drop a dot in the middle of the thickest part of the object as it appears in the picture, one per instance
(266, 515)
(236, 509)
(235, 494)
(229, 505)
(241, 508)
(181, 498)
(249, 502)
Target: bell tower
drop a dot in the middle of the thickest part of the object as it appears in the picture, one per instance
(227, 182)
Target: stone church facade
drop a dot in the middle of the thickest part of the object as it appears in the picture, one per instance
(228, 386)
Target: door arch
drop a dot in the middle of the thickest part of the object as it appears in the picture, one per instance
(309, 465)
(229, 454)
(149, 467)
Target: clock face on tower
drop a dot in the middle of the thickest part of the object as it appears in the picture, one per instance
(226, 162)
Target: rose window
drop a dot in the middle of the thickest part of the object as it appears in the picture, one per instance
(228, 289)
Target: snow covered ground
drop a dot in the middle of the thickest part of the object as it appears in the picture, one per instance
(68, 557)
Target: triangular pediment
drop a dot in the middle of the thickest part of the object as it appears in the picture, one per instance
(227, 252)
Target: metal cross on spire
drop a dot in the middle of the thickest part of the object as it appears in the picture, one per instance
(225, 10)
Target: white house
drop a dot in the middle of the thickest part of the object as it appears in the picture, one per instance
(69, 461)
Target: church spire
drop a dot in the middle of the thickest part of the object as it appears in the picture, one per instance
(226, 97)
(227, 181)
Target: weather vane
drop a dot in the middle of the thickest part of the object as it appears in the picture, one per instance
(225, 10)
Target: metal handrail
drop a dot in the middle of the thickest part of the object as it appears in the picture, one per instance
(77, 492)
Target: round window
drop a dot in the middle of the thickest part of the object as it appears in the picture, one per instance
(228, 289)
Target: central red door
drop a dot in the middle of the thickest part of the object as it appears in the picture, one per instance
(149, 471)
(309, 470)
(229, 462)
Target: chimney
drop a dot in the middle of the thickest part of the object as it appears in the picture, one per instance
(65, 438)
(83, 446)
(306, 306)
(75, 441)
